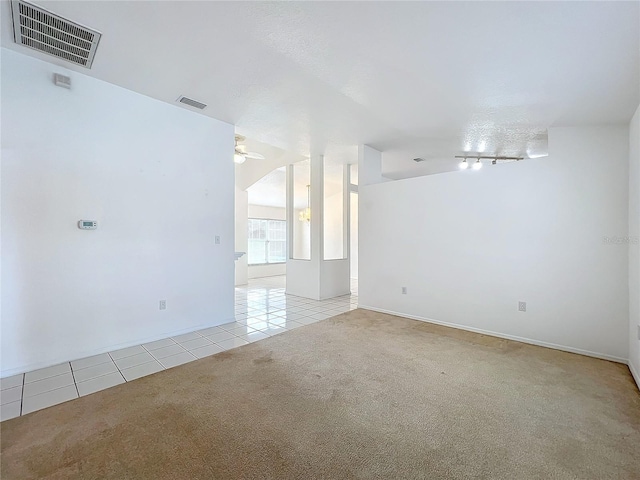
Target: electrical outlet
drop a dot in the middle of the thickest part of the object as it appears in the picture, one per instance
(522, 306)
(404, 290)
(163, 304)
(217, 239)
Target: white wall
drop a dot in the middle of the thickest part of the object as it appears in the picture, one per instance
(272, 213)
(334, 278)
(470, 245)
(301, 237)
(159, 181)
(634, 245)
(241, 245)
(334, 234)
(369, 166)
(353, 238)
(260, 271)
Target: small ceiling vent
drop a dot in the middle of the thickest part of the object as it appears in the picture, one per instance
(36, 28)
(419, 159)
(192, 103)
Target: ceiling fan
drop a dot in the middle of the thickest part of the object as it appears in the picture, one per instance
(241, 154)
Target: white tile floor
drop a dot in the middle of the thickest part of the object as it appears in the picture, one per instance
(262, 310)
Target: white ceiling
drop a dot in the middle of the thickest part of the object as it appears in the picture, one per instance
(413, 79)
(249, 172)
(270, 190)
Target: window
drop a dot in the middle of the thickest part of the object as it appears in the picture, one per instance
(267, 241)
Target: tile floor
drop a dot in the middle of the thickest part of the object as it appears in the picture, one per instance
(262, 310)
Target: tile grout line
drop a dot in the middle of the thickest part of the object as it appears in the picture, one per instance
(97, 376)
(152, 356)
(114, 362)
(160, 360)
(22, 394)
(75, 384)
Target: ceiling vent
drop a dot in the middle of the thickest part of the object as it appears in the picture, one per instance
(36, 28)
(192, 103)
(418, 160)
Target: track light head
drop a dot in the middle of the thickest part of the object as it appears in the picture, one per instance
(463, 165)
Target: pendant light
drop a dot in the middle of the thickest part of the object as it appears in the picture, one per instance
(305, 215)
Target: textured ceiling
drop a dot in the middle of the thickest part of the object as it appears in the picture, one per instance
(413, 79)
(270, 190)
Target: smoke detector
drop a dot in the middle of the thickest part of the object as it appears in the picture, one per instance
(37, 28)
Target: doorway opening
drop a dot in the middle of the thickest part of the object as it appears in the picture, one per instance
(267, 227)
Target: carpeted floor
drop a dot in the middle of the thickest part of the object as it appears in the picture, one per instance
(361, 395)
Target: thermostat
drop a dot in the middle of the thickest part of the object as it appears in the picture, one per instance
(87, 224)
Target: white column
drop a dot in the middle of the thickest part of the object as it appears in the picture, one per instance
(317, 208)
(303, 276)
(369, 165)
(316, 278)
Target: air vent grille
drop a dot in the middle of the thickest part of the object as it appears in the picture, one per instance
(192, 103)
(41, 30)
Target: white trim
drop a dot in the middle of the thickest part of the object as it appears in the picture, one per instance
(530, 341)
(112, 348)
(634, 374)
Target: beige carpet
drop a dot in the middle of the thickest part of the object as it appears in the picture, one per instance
(361, 395)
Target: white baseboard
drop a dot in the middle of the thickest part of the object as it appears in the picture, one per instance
(347, 292)
(530, 341)
(271, 275)
(109, 348)
(635, 374)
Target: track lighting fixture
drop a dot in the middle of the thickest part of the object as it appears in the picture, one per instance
(477, 165)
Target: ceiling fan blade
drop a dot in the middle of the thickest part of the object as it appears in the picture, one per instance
(254, 155)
